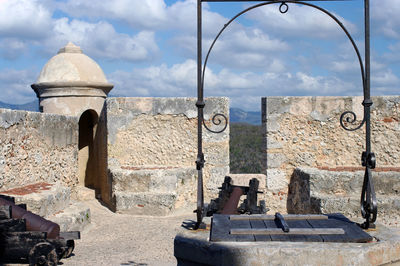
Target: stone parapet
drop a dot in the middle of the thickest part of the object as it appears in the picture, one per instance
(153, 204)
(306, 132)
(152, 148)
(36, 148)
(320, 191)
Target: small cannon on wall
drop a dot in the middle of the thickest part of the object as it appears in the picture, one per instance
(229, 197)
(27, 237)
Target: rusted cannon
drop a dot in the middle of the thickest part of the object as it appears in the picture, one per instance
(33, 222)
(229, 197)
(27, 237)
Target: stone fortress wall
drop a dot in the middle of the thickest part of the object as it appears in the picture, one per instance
(142, 159)
(138, 154)
(150, 145)
(305, 133)
(37, 147)
(152, 149)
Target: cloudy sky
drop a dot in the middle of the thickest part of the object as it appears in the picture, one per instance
(148, 47)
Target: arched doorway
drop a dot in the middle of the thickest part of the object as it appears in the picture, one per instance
(87, 156)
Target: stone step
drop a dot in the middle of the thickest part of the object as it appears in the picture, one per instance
(43, 199)
(151, 179)
(145, 203)
(347, 182)
(75, 217)
(388, 207)
(80, 193)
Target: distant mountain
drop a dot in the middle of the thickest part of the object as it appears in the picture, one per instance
(238, 115)
(31, 106)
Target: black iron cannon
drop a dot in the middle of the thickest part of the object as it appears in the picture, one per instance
(229, 197)
(27, 237)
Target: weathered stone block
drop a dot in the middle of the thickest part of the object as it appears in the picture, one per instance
(276, 180)
(154, 204)
(273, 123)
(275, 160)
(130, 181)
(76, 217)
(215, 179)
(43, 199)
(83, 193)
(37, 147)
(276, 105)
(272, 143)
(217, 154)
(9, 118)
(322, 191)
(151, 180)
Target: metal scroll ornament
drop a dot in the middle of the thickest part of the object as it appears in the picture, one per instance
(350, 118)
(217, 120)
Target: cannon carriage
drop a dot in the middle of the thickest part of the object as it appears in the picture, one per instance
(28, 238)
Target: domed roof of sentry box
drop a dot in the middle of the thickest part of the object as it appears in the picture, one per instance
(72, 68)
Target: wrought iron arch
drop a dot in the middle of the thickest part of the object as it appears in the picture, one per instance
(368, 199)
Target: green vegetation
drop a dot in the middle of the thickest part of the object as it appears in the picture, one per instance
(245, 145)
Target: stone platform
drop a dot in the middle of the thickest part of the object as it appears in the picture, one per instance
(54, 202)
(194, 248)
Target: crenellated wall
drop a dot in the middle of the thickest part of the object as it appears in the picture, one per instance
(305, 132)
(37, 147)
(152, 149)
(146, 150)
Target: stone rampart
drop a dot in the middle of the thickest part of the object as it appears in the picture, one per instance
(37, 147)
(152, 145)
(305, 132)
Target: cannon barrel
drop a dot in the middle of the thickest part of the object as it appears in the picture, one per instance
(33, 222)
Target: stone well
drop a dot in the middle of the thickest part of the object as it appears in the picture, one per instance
(194, 248)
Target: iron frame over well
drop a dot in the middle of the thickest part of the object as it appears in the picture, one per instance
(348, 118)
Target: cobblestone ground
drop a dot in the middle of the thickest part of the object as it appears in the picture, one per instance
(120, 239)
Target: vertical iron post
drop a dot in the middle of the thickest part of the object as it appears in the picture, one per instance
(367, 89)
(200, 108)
(368, 199)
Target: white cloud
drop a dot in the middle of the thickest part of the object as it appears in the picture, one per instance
(385, 15)
(12, 48)
(299, 21)
(137, 13)
(178, 80)
(26, 23)
(391, 55)
(147, 14)
(266, 56)
(244, 89)
(24, 18)
(102, 41)
(245, 48)
(182, 15)
(385, 78)
(16, 86)
(238, 48)
(345, 66)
